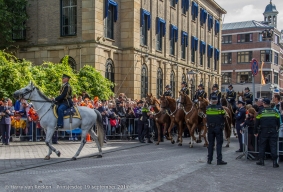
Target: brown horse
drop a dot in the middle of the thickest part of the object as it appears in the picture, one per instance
(228, 122)
(202, 105)
(240, 96)
(191, 115)
(159, 117)
(176, 115)
(225, 103)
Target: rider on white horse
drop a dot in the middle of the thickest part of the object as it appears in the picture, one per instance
(64, 100)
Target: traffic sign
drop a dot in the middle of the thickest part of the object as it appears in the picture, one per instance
(254, 67)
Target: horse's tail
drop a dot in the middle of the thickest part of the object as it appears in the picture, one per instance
(100, 130)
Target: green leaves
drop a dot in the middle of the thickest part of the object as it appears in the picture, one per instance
(15, 74)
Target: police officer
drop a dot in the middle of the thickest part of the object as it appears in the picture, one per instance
(144, 124)
(267, 122)
(240, 119)
(215, 122)
(248, 96)
(184, 89)
(216, 93)
(231, 97)
(200, 93)
(64, 100)
(168, 91)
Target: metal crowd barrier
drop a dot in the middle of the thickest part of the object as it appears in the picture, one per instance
(250, 154)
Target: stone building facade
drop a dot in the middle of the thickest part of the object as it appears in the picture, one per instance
(243, 41)
(140, 45)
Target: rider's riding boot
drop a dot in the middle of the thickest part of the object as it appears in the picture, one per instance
(275, 164)
(260, 162)
(59, 127)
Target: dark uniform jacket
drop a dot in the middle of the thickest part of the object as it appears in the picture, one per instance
(240, 117)
(185, 90)
(5, 119)
(65, 96)
(199, 93)
(231, 96)
(248, 98)
(267, 121)
(168, 93)
(215, 115)
(218, 94)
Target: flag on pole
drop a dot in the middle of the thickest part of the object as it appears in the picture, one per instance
(262, 77)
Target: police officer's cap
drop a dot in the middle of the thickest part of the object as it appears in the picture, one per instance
(266, 101)
(184, 83)
(247, 88)
(200, 85)
(241, 102)
(140, 102)
(214, 98)
(66, 76)
(215, 85)
(230, 86)
(168, 86)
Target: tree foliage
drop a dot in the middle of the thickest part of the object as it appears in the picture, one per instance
(12, 19)
(15, 74)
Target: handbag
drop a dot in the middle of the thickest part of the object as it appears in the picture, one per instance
(113, 122)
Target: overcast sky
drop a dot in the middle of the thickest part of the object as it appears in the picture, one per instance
(245, 10)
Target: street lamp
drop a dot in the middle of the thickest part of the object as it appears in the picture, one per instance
(191, 78)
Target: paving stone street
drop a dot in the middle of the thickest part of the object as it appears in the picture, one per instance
(131, 166)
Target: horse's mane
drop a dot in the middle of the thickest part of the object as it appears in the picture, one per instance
(156, 100)
(42, 95)
(206, 101)
(170, 98)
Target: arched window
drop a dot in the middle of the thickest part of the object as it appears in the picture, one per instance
(71, 62)
(109, 71)
(144, 81)
(159, 83)
(172, 83)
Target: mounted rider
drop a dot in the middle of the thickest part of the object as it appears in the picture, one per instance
(168, 91)
(200, 93)
(216, 92)
(231, 97)
(184, 89)
(248, 96)
(64, 100)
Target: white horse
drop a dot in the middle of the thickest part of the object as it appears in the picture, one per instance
(44, 108)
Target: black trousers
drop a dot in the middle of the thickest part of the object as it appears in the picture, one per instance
(271, 139)
(215, 132)
(143, 129)
(5, 130)
(240, 138)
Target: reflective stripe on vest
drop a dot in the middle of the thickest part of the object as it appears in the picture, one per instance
(214, 111)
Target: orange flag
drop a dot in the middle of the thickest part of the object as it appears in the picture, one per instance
(262, 77)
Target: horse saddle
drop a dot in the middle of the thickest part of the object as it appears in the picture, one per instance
(72, 111)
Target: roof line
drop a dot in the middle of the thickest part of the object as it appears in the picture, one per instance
(222, 10)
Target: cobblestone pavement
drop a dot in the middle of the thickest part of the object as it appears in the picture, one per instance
(130, 166)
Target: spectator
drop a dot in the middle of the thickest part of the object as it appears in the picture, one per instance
(240, 119)
(85, 95)
(122, 117)
(130, 115)
(250, 122)
(105, 115)
(17, 125)
(259, 103)
(5, 122)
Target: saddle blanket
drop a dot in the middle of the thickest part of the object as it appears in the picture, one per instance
(75, 112)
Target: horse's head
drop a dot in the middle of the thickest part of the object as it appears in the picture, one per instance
(150, 99)
(203, 103)
(164, 102)
(25, 92)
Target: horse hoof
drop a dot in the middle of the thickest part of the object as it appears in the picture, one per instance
(205, 145)
(157, 143)
(58, 153)
(180, 144)
(189, 142)
(74, 158)
(227, 145)
(191, 146)
(99, 156)
(236, 136)
(47, 158)
(199, 141)
(173, 142)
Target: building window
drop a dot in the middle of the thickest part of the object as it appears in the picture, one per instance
(242, 38)
(226, 58)
(267, 76)
(160, 32)
(144, 81)
(194, 46)
(210, 22)
(276, 39)
(71, 62)
(203, 16)
(172, 83)
(216, 58)
(159, 86)
(109, 71)
(275, 78)
(109, 23)
(68, 17)
(245, 57)
(266, 55)
(202, 52)
(275, 58)
(19, 32)
(209, 55)
(145, 26)
(227, 39)
(194, 10)
(184, 44)
(226, 78)
(217, 27)
(173, 3)
(173, 38)
(185, 6)
(244, 77)
(260, 37)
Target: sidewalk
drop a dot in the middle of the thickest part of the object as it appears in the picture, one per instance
(25, 155)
